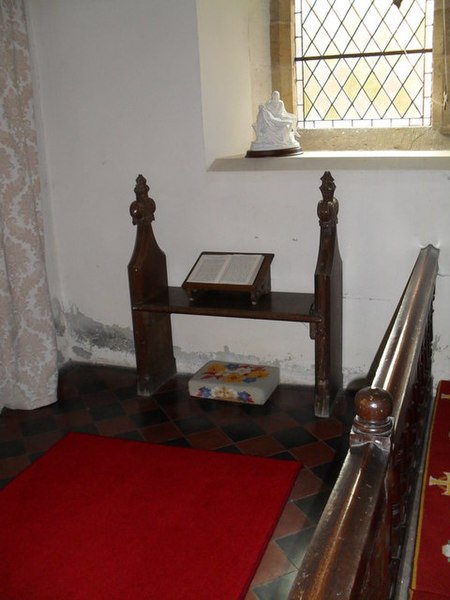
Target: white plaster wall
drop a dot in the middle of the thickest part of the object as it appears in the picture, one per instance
(121, 91)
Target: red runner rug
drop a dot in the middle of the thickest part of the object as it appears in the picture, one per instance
(431, 569)
(99, 518)
(419, 595)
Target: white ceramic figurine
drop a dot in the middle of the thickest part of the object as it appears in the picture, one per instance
(275, 130)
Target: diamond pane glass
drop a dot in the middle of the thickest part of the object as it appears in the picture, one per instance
(365, 64)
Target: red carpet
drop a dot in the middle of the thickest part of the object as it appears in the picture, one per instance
(100, 518)
(431, 570)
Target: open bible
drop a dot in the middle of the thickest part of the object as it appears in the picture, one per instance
(234, 269)
(230, 272)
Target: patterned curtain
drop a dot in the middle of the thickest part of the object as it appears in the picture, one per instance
(28, 368)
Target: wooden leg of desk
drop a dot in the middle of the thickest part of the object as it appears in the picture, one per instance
(328, 367)
(155, 361)
(328, 352)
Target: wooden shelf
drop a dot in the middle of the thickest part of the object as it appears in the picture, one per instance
(275, 306)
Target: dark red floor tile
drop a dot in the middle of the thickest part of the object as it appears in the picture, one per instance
(161, 433)
(73, 419)
(325, 428)
(194, 424)
(307, 484)
(228, 413)
(276, 422)
(115, 425)
(209, 440)
(313, 454)
(183, 410)
(265, 445)
(274, 564)
(293, 519)
(138, 404)
(97, 400)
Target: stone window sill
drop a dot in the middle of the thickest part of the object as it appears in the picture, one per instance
(354, 160)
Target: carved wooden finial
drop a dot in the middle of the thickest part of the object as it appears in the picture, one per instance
(328, 207)
(373, 423)
(143, 208)
(328, 186)
(141, 188)
(373, 411)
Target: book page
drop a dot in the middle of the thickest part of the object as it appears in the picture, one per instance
(209, 268)
(242, 269)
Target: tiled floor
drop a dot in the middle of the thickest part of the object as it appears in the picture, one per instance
(102, 400)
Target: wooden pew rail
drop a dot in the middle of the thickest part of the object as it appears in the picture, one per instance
(356, 549)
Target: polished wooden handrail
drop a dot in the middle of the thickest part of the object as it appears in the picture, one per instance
(349, 556)
(401, 353)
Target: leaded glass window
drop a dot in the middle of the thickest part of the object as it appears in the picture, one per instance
(363, 64)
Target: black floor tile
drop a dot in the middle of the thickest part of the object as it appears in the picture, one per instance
(313, 506)
(69, 405)
(12, 448)
(303, 414)
(276, 590)
(106, 411)
(130, 435)
(207, 406)
(33, 457)
(34, 426)
(181, 442)
(175, 396)
(126, 393)
(336, 443)
(296, 436)
(150, 417)
(92, 387)
(284, 456)
(194, 424)
(260, 410)
(328, 472)
(230, 450)
(90, 428)
(243, 430)
(295, 545)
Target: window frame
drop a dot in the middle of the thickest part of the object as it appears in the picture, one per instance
(436, 137)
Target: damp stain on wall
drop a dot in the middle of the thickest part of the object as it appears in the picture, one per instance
(82, 334)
